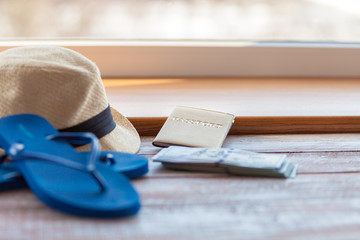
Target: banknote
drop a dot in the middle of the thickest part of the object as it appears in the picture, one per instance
(226, 160)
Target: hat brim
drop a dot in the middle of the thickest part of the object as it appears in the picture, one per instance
(124, 137)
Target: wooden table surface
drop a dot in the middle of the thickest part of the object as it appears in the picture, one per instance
(322, 202)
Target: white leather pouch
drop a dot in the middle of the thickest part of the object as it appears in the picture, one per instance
(193, 127)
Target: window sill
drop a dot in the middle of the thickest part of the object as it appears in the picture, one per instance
(261, 105)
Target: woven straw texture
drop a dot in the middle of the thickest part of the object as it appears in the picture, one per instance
(62, 86)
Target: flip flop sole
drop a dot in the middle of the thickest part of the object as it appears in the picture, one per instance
(78, 193)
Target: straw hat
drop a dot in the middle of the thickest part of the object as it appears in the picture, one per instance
(64, 87)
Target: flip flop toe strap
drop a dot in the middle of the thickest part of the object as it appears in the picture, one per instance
(3, 158)
(16, 152)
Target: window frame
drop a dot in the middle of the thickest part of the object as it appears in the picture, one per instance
(147, 59)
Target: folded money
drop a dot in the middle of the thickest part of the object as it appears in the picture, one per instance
(226, 160)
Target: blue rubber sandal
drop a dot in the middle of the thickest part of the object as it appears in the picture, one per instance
(60, 176)
(131, 165)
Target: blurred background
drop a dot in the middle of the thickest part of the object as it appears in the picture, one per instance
(260, 20)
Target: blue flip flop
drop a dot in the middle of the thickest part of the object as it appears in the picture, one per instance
(61, 177)
(131, 165)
